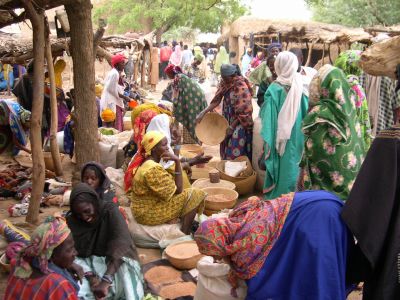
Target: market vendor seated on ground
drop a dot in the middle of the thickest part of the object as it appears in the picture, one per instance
(14, 128)
(106, 251)
(157, 195)
(41, 269)
(292, 247)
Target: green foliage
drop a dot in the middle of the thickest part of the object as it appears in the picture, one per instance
(356, 12)
(206, 15)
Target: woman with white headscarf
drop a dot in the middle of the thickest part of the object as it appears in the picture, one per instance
(282, 113)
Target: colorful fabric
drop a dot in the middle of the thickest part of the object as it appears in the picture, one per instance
(165, 53)
(12, 118)
(150, 140)
(281, 171)
(221, 58)
(44, 240)
(189, 102)
(116, 59)
(246, 236)
(171, 70)
(334, 145)
(176, 56)
(140, 124)
(348, 61)
(147, 106)
(59, 67)
(127, 281)
(199, 57)
(98, 90)
(153, 197)
(49, 287)
(195, 73)
(107, 115)
(309, 259)
(246, 60)
(63, 113)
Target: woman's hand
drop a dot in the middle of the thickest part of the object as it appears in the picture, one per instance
(200, 117)
(100, 291)
(186, 167)
(200, 159)
(77, 271)
(166, 156)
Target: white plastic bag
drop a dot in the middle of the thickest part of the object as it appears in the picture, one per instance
(108, 154)
(234, 168)
(212, 282)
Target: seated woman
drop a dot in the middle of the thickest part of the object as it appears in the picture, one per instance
(106, 251)
(334, 144)
(41, 269)
(14, 127)
(157, 195)
(292, 247)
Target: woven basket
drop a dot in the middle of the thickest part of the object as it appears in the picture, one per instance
(210, 212)
(212, 129)
(48, 160)
(246, 173)
(3, 263)
(191, 150)
(217, 206)
(203, 183)
(183, 256)
(246, 186)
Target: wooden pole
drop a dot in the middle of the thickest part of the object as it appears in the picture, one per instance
(154, 68)
(309, 55)
(55, 153)
(85, 114)
(38, 170)
(143, 69)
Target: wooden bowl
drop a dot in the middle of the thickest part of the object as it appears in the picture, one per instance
(183, 256)
(231, 197)
(4, 264)
(212, 129)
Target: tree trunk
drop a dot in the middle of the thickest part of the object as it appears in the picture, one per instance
(85, 130)
(38, 170)
(55, 154)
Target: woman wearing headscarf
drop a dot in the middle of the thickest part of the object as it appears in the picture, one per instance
(372, 213)
(334, 146)
(14, 127)
(282, 112)
(348, 62)
(188, 99)
(157, 195)
(257, 60)
(246, 60)
(194, 70)
(113, 94)
(221, 59)
(42, 270)
(236, 92)
(291, 247)
(106, 251)
(176, 56)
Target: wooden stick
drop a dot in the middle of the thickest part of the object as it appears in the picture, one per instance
(38, 170)
(55, 153)
(309, 54)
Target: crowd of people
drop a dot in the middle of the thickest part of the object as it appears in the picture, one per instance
(327, 135)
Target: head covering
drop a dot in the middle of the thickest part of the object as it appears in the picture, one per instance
(348, 61)
(140, 124)
(274, 45)
(116, 59)
(107, 236)
(107, 115)
(316, 82)
(247, 235)
(286, 66)
(199, 57)
(59, 67)
(197, 50)
(176, 56)
(221, 58)
(148, 106)
(25, 116)
(172, 70)
(375, 196)
(161, 123)
(228, 70)
(98, 90)
(150, 139)
(105, 182)
(48, 236)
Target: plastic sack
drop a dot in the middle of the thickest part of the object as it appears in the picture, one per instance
(234, 168)
(212, 282)
(108, 154)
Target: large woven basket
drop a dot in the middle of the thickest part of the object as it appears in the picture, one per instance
(231, 196)
(203, 183)
(183, 256)
(246, 173)
(212, 129)
(246, 186)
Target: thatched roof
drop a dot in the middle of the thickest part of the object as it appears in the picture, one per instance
(297, 31)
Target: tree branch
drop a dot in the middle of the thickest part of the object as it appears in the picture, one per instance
(212, 5)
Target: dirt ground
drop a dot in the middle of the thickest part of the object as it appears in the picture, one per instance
(145, 255)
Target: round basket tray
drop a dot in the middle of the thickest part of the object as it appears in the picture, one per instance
(203, 183)
(183, 256)
(212, 129)
(4, 264)
(212, 204)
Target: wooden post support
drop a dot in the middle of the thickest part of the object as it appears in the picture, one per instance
(38, 170)
(154, 68)
(309, 54)
(143, 70)
(55, 153)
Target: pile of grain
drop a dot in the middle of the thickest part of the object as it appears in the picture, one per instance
(177, 290)
(218, 198)
(184, 251)
(162, 275)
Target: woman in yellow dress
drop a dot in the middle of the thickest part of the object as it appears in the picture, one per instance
(158, 195)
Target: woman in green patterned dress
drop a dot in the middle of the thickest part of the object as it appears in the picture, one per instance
(188, 98)
(334, 145)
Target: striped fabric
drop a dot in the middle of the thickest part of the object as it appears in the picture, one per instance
(48, 287)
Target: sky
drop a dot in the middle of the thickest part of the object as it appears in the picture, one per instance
(280, 9)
